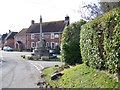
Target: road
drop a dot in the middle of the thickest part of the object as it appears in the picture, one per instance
(18, 73)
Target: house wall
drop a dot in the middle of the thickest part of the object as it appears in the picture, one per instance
(22, 39)
(47, 38)
(29, 40)
(9, 42)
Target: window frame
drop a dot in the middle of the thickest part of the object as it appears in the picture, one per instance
(52, 45)
(52, 36)
(32, 36)
(32, 44)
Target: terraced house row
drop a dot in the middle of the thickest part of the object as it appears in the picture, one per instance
(27, 38)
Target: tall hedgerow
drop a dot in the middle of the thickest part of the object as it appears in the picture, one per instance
(100, 41)
(70, 43)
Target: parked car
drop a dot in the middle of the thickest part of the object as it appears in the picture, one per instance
(52, 51)
(7, 48)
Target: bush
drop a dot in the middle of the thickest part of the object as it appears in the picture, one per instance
(70, 44)
(100, 41)
(57, 49)
(45, 58)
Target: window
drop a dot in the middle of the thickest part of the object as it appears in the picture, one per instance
(32, 36)
(47, 44)
(52, 45)
(52, 35)
(42, 35)
(37, 44)
(32, 45)
(56, 35)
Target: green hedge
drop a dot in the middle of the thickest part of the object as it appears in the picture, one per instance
(100, 41)
(70, 53)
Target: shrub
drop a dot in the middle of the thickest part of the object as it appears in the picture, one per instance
(44, 58)
(57, 49)
(100, 41)
(70, 43)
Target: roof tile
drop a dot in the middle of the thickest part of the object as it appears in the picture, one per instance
(54, 26)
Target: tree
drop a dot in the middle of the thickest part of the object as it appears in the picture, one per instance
(107, 6)
(70, 44)
(57, 49)
(90, 11)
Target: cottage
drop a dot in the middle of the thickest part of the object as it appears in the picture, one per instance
(9, 39)
(21, 40)
(51, 34)
(3, 40)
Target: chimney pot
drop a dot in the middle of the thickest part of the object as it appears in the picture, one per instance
(67, 19)
(9, 31)
(32, 22)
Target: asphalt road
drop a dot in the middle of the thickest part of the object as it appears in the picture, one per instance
(18, 73)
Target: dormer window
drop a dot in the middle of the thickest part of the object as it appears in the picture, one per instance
(32, 36)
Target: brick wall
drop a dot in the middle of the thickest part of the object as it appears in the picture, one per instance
(22, 39)
(9, 42)
(47, 38)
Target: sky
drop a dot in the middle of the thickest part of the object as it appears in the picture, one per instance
(17, 14)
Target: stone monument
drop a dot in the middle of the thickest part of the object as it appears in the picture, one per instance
(40, 50)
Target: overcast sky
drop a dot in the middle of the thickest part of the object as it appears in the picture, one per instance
(17, 14)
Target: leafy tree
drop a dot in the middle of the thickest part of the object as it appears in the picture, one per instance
(107, 6)
(57, 49)
(70, 44)
(90, 11)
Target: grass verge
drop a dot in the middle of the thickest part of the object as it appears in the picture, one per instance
(29, 58)
(81, 76)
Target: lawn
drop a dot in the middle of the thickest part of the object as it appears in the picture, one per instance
(81, 76)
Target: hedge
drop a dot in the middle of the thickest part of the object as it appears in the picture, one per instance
(70, 44)
(100, 41)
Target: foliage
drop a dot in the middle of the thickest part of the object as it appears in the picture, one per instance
(90, 11)
(57, 49)
(81, 76)
(70, 43)
(107, 6)
(100, 41)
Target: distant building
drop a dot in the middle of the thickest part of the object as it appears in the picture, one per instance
(51, 34)
(9, 39)
(20, 40)
(3, 40)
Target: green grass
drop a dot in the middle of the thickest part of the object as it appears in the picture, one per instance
(81, 76)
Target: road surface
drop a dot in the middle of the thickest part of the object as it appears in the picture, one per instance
(18, 73)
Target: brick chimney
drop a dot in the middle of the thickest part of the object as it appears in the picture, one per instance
(67, 20)
(9, 31)
(32, 22)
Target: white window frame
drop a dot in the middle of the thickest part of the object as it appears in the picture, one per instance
(52, 46)
(47, 44)
(56, 35)
(52, 36)
(42, 35)
(32, 44)
(32, 36)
